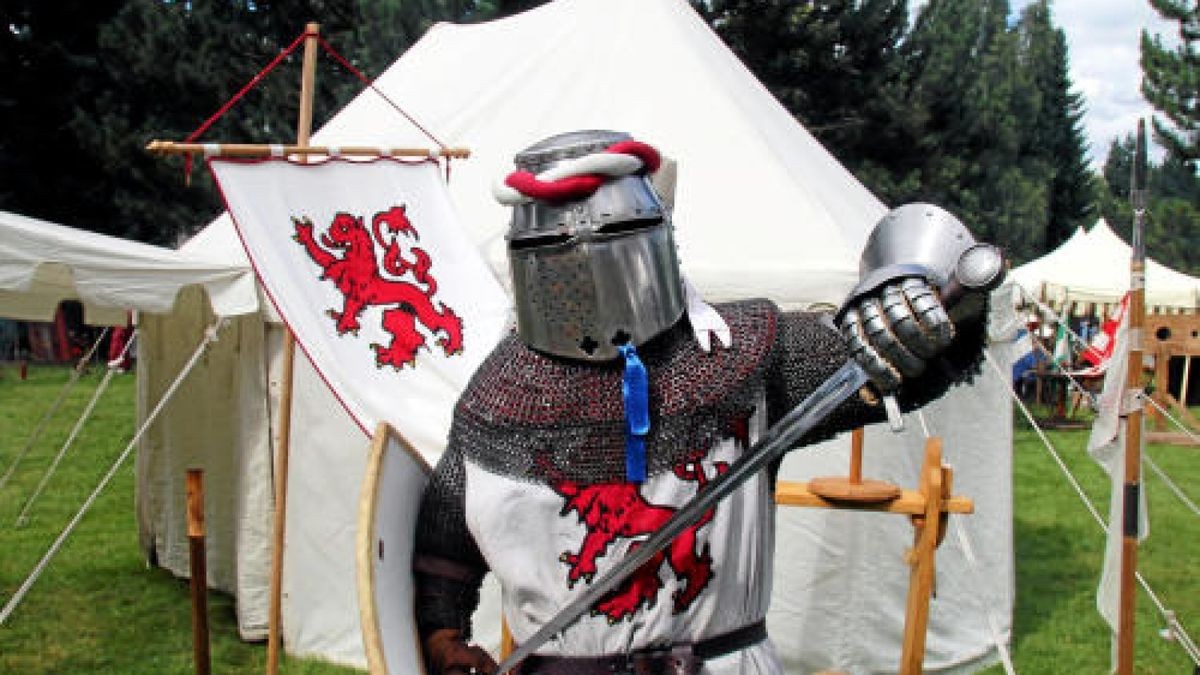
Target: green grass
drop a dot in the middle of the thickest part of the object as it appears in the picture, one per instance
(1059, 550)
(98, 609)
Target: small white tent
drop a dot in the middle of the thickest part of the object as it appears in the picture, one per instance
(1093, 268)
(43, 263)
(761, 210)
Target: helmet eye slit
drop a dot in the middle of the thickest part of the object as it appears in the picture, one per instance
(628, 226)
(538, 241)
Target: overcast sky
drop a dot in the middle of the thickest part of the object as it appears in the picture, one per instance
(1103, 37)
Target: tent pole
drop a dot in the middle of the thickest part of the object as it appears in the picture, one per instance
(1187, 374)
(303, 132)
(1133, 421)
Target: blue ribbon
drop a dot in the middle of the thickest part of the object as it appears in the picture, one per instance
(635, 391)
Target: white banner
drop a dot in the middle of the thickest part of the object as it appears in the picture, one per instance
(1106, 445)
(368, 265)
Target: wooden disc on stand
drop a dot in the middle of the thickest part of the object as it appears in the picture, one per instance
(854, 488)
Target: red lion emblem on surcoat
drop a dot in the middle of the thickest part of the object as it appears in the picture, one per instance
(347, 256)
(612, 511)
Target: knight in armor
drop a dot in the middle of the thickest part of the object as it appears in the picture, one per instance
(608, 408)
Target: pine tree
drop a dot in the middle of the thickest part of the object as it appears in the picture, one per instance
(1170, 82)
(965, 87)
(489, 9)
(170, 65)
(828, 63)
(1173, 223)
(1054, 134)
(47, 57)
(1113, 186)
(167, 67)
(1173, 212)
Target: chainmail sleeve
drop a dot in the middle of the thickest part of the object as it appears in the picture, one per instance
(448, 566)
(808, 349)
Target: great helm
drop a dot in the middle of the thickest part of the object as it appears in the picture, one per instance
(592, 272)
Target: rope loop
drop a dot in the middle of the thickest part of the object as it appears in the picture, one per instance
(578, 178)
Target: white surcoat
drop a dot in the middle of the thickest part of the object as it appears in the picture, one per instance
(714, 579)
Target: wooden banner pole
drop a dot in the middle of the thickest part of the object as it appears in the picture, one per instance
(1133, 420)
(198, 570)
(303, 132)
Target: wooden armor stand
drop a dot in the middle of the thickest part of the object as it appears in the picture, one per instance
(929, 507)
(1168, 336)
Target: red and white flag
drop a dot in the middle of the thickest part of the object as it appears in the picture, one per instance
(369, 267)
(1100, 348)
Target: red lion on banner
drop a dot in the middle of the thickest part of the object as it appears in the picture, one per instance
(612, 511)
(356, 273)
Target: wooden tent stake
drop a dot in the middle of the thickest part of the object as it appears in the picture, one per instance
(303, 132)
(198, 570)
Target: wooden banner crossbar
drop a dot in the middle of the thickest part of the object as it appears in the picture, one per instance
(159, 147)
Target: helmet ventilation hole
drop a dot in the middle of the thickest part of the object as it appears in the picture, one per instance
(588, 345)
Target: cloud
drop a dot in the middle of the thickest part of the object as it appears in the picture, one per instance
(1103, 39)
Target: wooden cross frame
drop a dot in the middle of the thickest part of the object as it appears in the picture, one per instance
(1168, 336)
(929, 508)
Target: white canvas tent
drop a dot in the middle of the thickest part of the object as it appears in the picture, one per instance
(42, 264)
(761, 210)
(1093, 268)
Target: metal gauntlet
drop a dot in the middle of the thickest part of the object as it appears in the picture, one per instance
(918, 261)
(892, 336)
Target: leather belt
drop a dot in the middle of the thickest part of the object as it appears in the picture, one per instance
(678, 659)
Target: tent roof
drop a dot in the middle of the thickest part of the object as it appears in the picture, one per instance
(1095, 268)
(1031, 274)
(42, 264)
(760, 207)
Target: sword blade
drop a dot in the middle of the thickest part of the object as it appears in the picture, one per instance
(774, 443)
